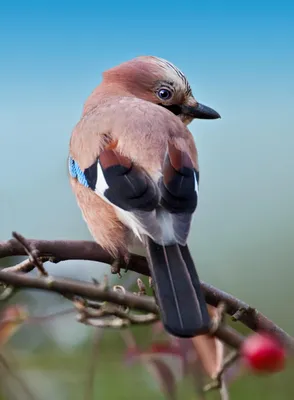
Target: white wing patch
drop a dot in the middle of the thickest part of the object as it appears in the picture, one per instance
(126, 217)
(101, 184)
(196, 183)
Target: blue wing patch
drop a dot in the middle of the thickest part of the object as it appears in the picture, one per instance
(72, 167)
(76, 172)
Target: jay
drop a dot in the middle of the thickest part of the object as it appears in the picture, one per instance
(133, 167)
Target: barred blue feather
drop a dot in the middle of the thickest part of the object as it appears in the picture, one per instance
(76, 172)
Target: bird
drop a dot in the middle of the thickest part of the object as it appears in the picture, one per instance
(133, 167)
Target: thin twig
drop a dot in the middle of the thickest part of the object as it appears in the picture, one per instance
(49, 317)
(16, 378)
(112, 310)
(24, 267)
(223, 391)
(217, 381)
(32, 252)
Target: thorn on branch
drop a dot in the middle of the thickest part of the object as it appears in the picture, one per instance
(141, 287)
(243, 311)
(95, 281)
(104, 285)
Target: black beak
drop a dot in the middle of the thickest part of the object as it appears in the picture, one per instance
(200, 111)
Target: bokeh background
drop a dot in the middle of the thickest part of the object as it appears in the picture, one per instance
(239, 59)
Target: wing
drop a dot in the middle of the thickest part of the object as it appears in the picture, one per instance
(179, 191)
(164, 211)
(130, 190)
(141, 132)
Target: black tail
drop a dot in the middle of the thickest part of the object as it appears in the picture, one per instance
(195, 281)
(181, 302)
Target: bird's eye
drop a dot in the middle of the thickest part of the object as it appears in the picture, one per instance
(164, 94)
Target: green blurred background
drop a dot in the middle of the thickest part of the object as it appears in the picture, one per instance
(239, 59)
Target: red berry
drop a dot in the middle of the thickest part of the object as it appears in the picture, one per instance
(263, 353)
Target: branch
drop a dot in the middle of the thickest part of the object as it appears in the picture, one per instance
(61, 250)
(79, 288)
(97, 293)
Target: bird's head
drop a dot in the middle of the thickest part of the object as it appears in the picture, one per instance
(158, 81)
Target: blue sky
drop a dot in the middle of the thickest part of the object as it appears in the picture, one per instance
(239, 59)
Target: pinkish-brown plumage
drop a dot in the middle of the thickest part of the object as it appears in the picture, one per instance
(139, 111)
(137, 125)
(122, 109)
(142, 131)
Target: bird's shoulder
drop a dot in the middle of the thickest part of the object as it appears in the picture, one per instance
(134, 123)
(133, 112)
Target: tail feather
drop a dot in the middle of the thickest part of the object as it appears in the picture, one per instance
(182, 311)
(195, 282)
